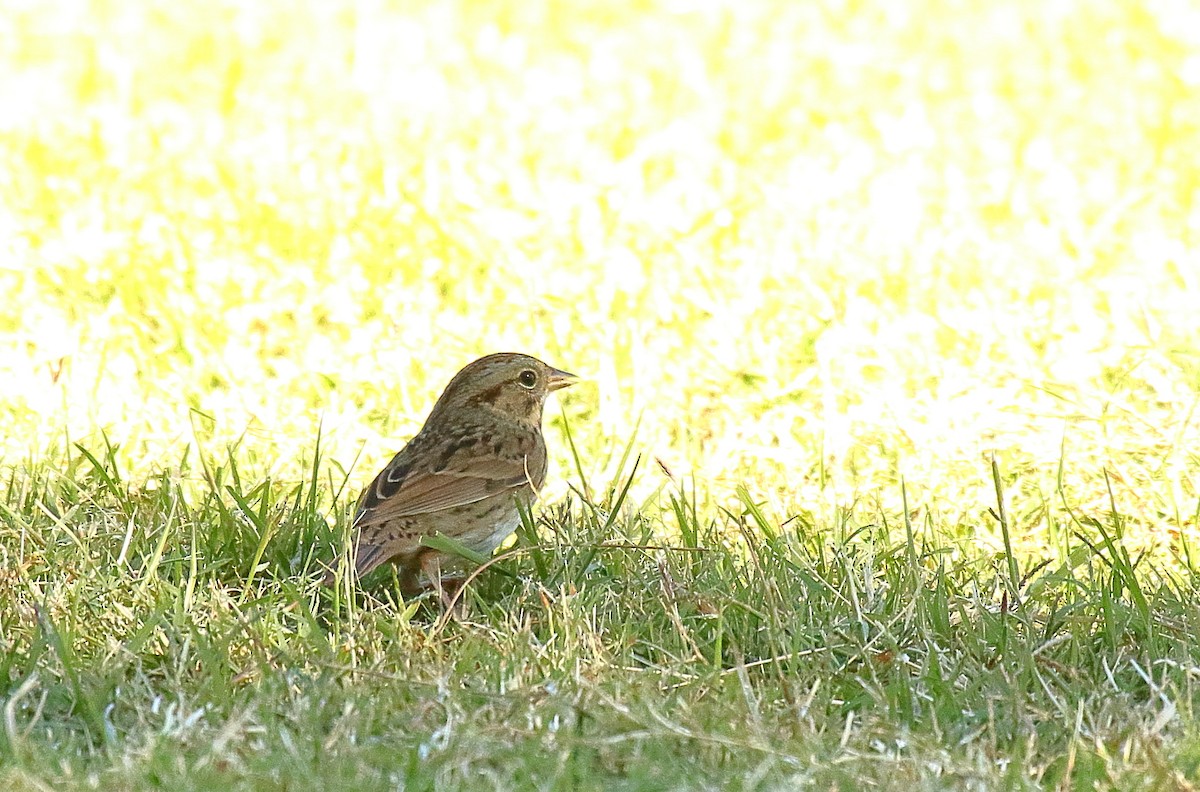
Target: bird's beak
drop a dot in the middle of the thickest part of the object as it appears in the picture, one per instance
(560, 379)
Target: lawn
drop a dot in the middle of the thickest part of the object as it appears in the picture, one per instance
(885, 475)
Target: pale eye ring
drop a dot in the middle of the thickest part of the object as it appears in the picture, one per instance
(527, 378)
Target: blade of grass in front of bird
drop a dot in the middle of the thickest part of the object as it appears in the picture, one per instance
(447, 544)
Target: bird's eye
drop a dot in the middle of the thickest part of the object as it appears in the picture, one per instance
(527, 378)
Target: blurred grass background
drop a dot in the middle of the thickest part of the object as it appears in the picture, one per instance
(789, 237)
(808, 248)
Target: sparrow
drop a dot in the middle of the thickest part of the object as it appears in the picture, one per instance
(479, 459)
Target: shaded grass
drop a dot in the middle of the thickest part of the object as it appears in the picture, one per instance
(196, 651)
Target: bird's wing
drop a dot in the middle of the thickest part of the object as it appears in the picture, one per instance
(457, 479)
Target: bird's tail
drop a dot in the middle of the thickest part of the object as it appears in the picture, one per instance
(367, 558)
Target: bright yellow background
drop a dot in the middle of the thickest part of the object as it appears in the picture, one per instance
(813, 246)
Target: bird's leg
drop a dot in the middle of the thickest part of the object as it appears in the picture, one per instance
(410, 581)
(431, 565)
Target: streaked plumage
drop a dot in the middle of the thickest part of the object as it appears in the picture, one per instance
(479, 454)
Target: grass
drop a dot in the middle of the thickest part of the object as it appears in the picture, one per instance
(885, 475)
(750, 651)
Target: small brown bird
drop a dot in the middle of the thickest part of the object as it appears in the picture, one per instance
(479, 455)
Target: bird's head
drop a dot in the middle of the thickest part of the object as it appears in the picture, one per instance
(509, 383)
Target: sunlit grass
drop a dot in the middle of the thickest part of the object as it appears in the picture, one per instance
(822, 261)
